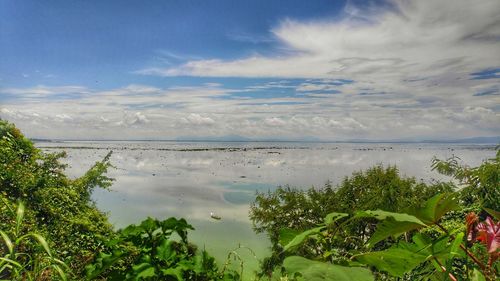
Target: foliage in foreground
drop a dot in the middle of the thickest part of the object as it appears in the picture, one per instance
(61, 222)
(316, 235)
(294, 210)
(34, 264)
(155, 255)
(57, 207)
(426, 256)
(439, 240)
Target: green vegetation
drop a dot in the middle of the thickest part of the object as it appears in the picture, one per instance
(149, 252)
(401, 229)
(61, 217)
(423, 256)
(288, 211)
(375, 225)
(57, 207)
(19, 264)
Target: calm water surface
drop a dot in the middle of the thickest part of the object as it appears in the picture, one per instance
(192, 179)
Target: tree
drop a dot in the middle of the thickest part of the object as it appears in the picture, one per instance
(57, 207)
(296, 210)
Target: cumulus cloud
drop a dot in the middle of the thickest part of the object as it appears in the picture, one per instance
(274, 122)
(197, 119)
(62, 117)
(132, 119)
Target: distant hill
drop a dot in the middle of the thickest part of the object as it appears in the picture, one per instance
(229, 138)
(238, 138)
(475, 140)
(488, 140)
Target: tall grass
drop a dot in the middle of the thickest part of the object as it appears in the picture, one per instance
(17, 264)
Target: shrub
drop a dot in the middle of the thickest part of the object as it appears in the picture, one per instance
(59, 208)
(153, 254)
(296, 210)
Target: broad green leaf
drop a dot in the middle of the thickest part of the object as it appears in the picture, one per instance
(391, 227)
(438, 269)
(421, 240)
(382, 215)
(169, 224)
(438, 248)
(102, 263)
(393, 224)
(287, 235)
(130, 231)
(394, 261)
(495, 214)
(333, 217)
(175, 224)
(297, 240)
(199, 262)
(179, 270)
(179, 226)
(477, 275)
(149, 225)
(143, 271)
(164, 251)
(173, 272)
(314, 270)
(434, 208)
(454, 250)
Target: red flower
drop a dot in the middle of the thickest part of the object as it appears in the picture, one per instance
(489, 234)
(471, 222)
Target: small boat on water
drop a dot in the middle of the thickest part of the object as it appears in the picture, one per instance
(214, 216)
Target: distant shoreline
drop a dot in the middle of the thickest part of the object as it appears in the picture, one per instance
(494, 142)
(266, 149)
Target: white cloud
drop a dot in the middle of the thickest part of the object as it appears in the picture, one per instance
(306, 87)
(197, 119)
(45, 91)
(274, 122)
(138, 119)
(61, 117)
(417, 38)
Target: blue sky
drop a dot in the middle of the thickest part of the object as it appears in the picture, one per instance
(106, 41)
(329, 70)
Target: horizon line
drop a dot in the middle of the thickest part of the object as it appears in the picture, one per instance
(456, 141)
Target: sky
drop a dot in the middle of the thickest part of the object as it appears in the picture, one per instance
(287, 70)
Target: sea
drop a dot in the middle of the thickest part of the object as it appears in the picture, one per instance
(163, 179)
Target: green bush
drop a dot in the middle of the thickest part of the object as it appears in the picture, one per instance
(148, 251)
(61, 216)
(57, 207)
(296, 210)
(402, 240)
(415, 257)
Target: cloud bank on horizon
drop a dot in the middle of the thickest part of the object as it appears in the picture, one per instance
(366, 70)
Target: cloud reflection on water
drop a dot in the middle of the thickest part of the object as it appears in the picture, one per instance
(154, 181)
